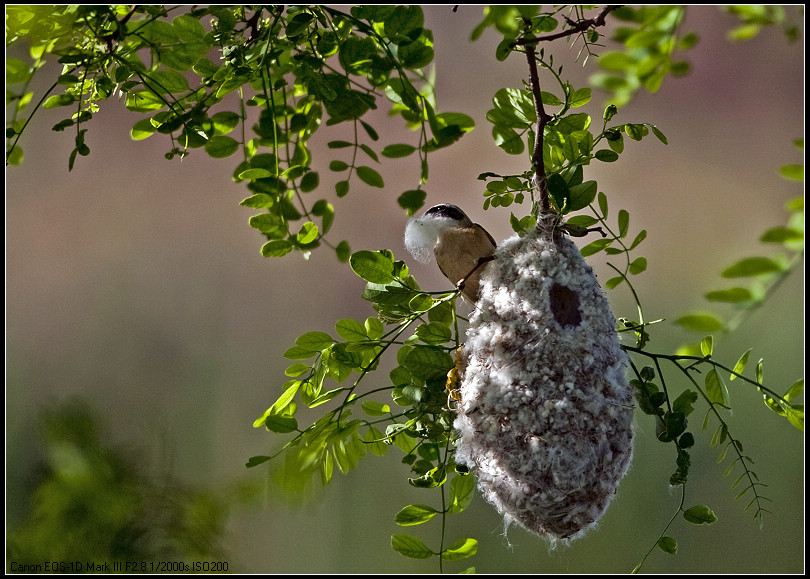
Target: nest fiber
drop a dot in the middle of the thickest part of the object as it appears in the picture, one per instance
(545, 412)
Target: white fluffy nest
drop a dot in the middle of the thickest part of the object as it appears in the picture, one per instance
(545, 412)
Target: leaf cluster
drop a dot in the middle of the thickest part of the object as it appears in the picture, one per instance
(423, 329)
(671, 415)
(419, 422)
(755, 17)
(96, 502)
(651, 40)
(259, 82)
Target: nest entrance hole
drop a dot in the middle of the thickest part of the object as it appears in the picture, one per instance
(564, 303)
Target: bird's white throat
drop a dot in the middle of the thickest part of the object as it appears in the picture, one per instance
(421, 235)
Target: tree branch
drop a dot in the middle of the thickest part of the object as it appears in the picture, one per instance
(576, 28)
(542, 120)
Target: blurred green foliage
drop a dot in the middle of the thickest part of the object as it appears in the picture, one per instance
(90, 501)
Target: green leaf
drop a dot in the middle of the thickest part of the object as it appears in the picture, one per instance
(397, 151)
(707, 346)
(615, 141)
(299, 24)
(550, 99)
(558, 189)
(342, 188)
(16, 156)
(516, 107)
(374, 442)
(224, 122)
(373, 266)
(700, 322)
(338, 165)
(668, 545)
(280, 424)
(638, 265)
(731, 295)
(404, 24)
(795, 415)
(642, 235)
(257, 460)
(343, 252)
(410, 546)
(752, 266)
(339, 144)
(603, 204)
(792, 172)
(351, 330)
(299, 353)
(580, 97)
(624, 223)
(16, 71)
(282, 403)
(462, 549)
(412, 200)
(508, 140)
(644, 38)
(58, 100)
(374, 408)
(310, 182)
(188, 28)
(580, 196)
(307, 234)
(374, 328)
(595, 247)
(796, 389)
(296, 369)
(314, 341)
(700, 515)
(572, 123)
(606, 156)
(276, 248)
(673, 425)
(659, 135)
(415, 515)
(417, 54)
(428, 363)
(142, 129)
(167, 82)
(781, 235)
(740, 365)
(716, 389)
(325, 397)
(462, 491)
(434, 333)
(370, 177)
(220, 147)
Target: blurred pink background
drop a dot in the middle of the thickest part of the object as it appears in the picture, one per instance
(137, 283)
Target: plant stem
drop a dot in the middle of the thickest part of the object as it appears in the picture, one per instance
(576, 28)
(543, 118)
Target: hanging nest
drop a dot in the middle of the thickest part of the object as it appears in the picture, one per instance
(545, 408)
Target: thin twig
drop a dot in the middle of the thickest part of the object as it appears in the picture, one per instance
(576, 28)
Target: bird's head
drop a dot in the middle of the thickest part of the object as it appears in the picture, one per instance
(421, 233)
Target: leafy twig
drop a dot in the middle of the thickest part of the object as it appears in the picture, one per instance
(576, 28)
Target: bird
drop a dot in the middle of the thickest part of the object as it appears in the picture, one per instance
(459, 246)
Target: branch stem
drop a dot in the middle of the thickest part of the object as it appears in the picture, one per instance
(576, 28)
(543, 118)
